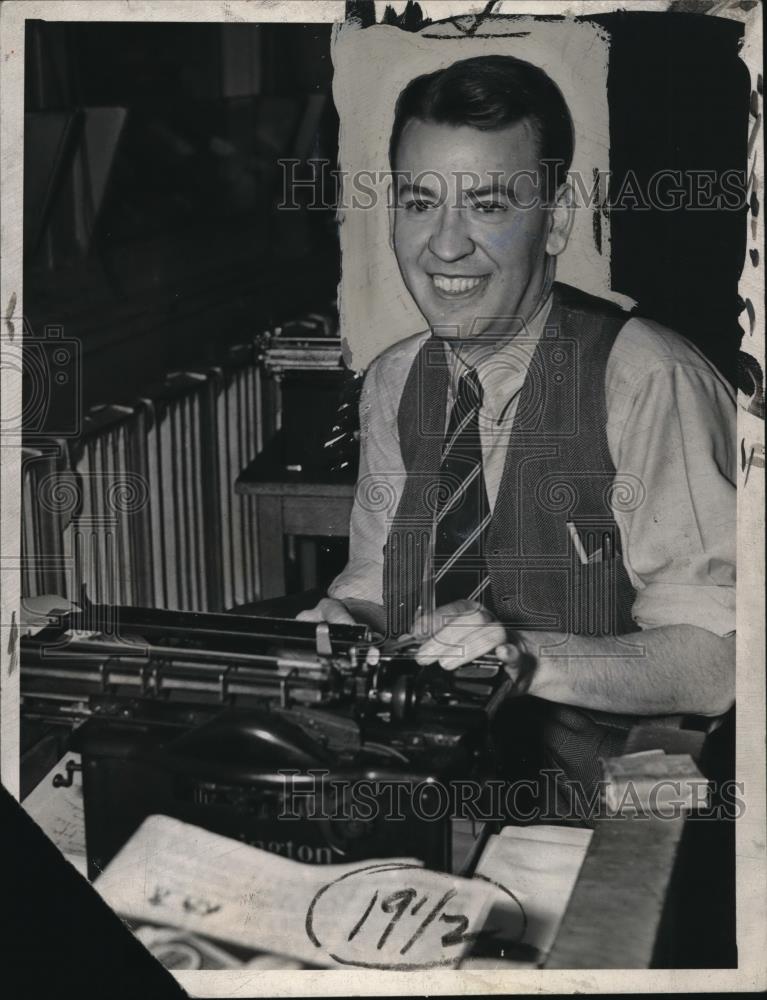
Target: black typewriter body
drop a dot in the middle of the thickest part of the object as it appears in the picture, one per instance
(307, 740)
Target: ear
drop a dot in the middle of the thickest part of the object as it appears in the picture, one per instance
(562, 216)
(391, 200)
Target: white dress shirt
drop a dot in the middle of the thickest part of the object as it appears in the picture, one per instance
(671, 434)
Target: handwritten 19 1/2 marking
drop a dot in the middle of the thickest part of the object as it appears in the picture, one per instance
(393, 947)
(399, 901)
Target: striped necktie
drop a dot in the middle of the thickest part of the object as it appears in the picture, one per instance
(462, 514)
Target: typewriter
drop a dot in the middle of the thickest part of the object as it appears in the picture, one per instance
(265, 730)
(305, 358)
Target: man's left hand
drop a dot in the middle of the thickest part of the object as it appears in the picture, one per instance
(460, 632)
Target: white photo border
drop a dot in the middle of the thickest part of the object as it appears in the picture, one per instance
(750, 755)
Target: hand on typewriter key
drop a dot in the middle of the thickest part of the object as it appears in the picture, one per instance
(328, 610)
(460, 632)
(350, 611)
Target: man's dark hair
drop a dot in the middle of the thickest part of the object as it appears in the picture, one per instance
(488, 93)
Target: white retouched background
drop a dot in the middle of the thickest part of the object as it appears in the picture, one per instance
(371, 67)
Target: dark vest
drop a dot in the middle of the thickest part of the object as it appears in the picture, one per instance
(558, 469)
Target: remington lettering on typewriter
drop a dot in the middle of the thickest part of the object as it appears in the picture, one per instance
(257, 728)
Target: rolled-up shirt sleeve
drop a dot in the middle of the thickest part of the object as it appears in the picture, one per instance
(379, 486)
(674, 444)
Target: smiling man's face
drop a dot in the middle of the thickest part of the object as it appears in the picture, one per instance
(471, 249)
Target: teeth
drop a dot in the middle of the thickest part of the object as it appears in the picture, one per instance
(454, 286)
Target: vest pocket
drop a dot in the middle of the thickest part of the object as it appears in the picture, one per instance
(597, 601)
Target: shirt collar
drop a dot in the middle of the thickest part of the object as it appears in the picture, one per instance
(502, 373)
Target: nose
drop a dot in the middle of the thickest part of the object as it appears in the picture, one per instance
(450, 239)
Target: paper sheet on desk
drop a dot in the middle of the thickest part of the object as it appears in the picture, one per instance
(387, 914)
(59, 812)
(539, 866)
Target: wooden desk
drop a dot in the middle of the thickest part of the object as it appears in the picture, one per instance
(615, 913)
(291, 503)
(630, 907)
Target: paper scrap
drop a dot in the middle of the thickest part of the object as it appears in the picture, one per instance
(654, 781)
(59, 812)
(538, 866)
(383, 914)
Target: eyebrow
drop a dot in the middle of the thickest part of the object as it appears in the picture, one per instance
(415, 189)
(496, 188)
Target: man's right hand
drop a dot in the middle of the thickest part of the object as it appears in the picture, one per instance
(350, 611)
(328, 610)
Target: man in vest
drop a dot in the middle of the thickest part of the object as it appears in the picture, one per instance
(559, 474)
